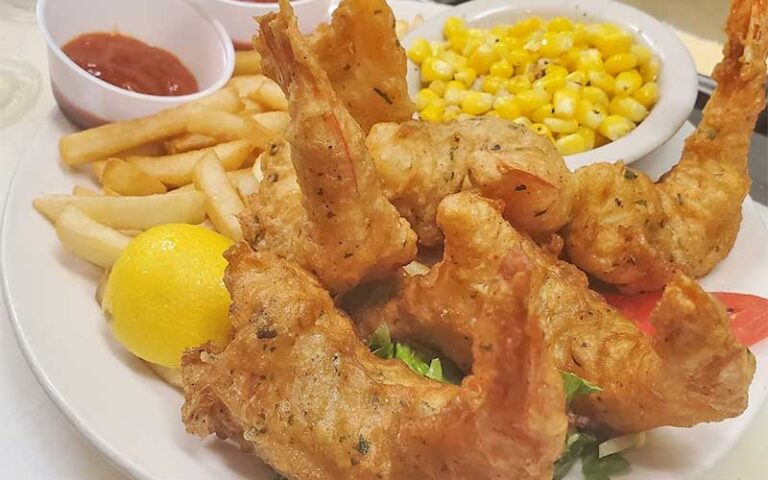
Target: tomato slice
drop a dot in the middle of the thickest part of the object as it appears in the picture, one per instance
(749, 313)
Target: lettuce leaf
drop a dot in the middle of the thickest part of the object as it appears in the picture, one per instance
(576, 386)
(382, 346)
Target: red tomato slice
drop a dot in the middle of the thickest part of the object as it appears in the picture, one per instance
(749, 313)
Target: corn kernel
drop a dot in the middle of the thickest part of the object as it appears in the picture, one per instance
(544, 111)
(419, 50)
(588, 135)
(437, 48)
(556, 70)
(481, 59)
(466, 75)
(579, 77)
(560, 24)
(650, 69)
(550, 83)
(530, 100)
(595, 95)
(627, 83)
(564, 102)
(470, 46)
(425, 97)
(518, 84)
(492, 84)
(464, 116)
(477, 103)
(541, 129)
(641, 52)
(601, 80)
(518, 57)
(621, 62)
(524, 121)
(559, 125)
(435, 69)
(647, 95)
(628, 107)
(453, 25)
(570, 144)
(590, 59)
(507, 107)
(457, 61)
(600, 140)
(433, 113)
(525, 26)
(589, 114)
(451, 113)
(570, 58)
(493, 114)
(458, 40)
(502, 69)
(455, 93)
(554, 44)
(612, 41)
(438, 86)
(614, 127)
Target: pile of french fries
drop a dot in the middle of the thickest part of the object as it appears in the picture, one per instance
(196, 164)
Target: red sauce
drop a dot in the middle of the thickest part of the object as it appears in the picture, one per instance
(131, 64)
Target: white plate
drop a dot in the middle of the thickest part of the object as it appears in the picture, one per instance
(133, 418)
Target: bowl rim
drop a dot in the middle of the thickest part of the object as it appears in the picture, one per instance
(228, 51)
(246, 5)
(678, 90)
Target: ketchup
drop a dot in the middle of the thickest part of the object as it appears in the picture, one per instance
(131, 64)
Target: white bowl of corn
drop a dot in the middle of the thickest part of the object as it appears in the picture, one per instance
(604, 81)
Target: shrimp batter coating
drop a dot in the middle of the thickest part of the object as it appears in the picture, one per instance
(692, 371)
(421, 163)
(633, 233)
(296, 386)
(348, 231)
(365, 62)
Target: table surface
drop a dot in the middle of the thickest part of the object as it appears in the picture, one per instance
(39, 443)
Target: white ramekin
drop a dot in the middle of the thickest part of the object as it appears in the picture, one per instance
(185, 30)
(677, 81)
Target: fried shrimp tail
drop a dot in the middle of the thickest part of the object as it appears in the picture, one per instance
(347, 231)
(365, 62)
(298, 388)
(633, 233)
(692, 371)
(421, 163)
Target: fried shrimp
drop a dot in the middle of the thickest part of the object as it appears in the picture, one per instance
(692, 371)
(296, 386)
(633, 233)
(365, 62)
(422, 163)
(337, 223)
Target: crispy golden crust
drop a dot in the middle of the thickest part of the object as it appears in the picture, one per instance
(693, 371)
(365, 62)
(422, 163)
(297, 387)
(633, 233)
(348, 231)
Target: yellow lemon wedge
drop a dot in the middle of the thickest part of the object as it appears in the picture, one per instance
(166, 292)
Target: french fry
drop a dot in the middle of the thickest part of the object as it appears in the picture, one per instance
(84, 192)
(270, 95)
(107, 140)
(150, 149)
(247, 63)
(132, 213)
(222, 202)
(190, 187)
(248, 85)
(251, 107)
(127, 179)
(189, 141)
(276, 122)
(176, 170)
(256, 171)
(101, 287)
(98, 169)
(88, 238)
(227, 126)
(244, 182)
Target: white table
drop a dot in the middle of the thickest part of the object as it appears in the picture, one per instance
(37, 442)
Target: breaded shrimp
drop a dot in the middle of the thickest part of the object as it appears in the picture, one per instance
(633, 233)
(298, 388)
(348, 232)
(365, 62)
(692, 371)
(422, 163)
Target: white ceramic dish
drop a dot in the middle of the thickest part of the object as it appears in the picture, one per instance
(677, 82)
(237, 16)
(208, 53)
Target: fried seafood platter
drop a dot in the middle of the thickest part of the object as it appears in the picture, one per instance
(346, 290)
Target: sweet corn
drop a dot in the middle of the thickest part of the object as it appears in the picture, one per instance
(621, 62)
(502, 69)
(627, 83)
(507, 107)
(629, 108)
(524, 121)
(481, 59)
(650, 69)
(571, 144)
(419, 50)
(588, 135)
(647, 94)
(466, 75)
(595, 95)
(641, 52)
(435, 69)
(590, 59)
(589, 114)
(457, 61)
(560, 24)
(451, 113)
(578, 77)
(541, 129)
(602, 80)
(614, 127)
(558, 125)
(425, 97)
(518, 83)
(530, 100)
(564, 102)
(544, 111)
(492, 84)
(453, 25)
(550, 83)
(433, 112)
(455, 93)
(438, 86)
(493, 114)
(611, 40)
(554, 44)
(477, 103)
(555, 70)
(526, 26)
